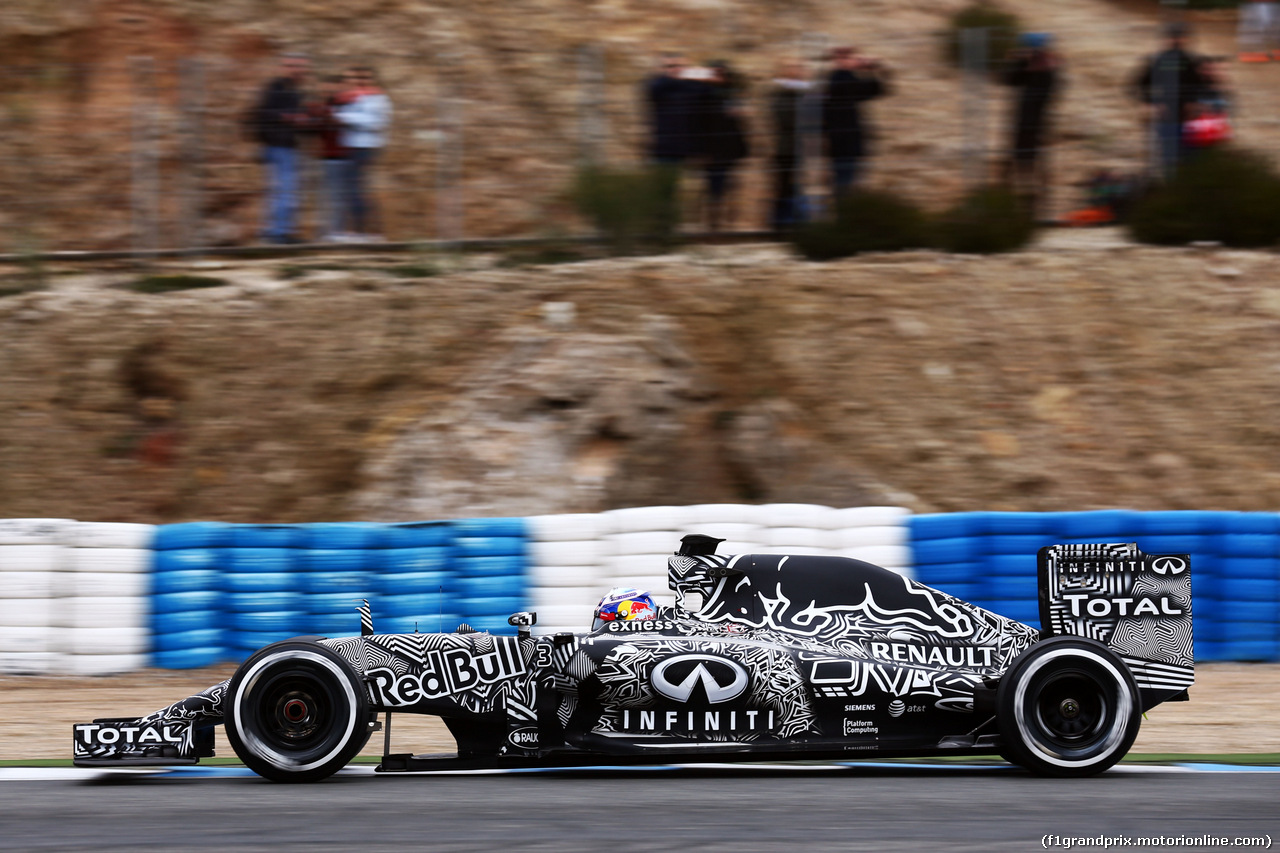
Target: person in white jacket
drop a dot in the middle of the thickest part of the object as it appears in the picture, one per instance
(364, 120)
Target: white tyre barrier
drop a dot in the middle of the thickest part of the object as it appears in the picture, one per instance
(134, 640)
(864, 537)
(31, 558)
(566, 527)
(870, 516)
(97, 534)
(798, 515)
(33, 531)
(567, 553)
(105, 664)
(734, 530)
(98, 584)
(793, 551)
(636, 564)
(576, 616)
(30, 663)
(646, 542)
(26, 640)
(27, 584)
(103, 612)
(642, 519)
(580, 596)
(117, 560)
(27, 612)
(561, 576)
(810, 538)
(894, 557)
(727, 514)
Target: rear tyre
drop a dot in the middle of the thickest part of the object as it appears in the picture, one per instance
(296, 712)
(1068, 707)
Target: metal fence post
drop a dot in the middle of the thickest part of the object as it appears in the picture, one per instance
(145, 174)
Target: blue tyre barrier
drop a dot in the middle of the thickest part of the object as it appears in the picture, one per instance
(1254, 650)
(1178, 523)
(1026, 545)
(1020, 524)
(266, 536)
(333, 624)
(185, 620)
(413, 582)
(1020, 610)
(338, 602)
(1244, 611)
(1246, 544)
(1011, 565)
(184, 580)
(413, 605)
(1191, 543)
(188, 658)
(187, 558)
(413, 560)
(432, 623)
(1102, 524)
(179, 640)
(1264, 523)
(248, 642)
(510, 528)
(493, 623)
(1247, 589)
(1011, 588)
(950, 550)
(955, 525)
(191, 535)
(488, 546)
(342, 536)
(337, 561)
(967, 591)
(269, 560)
(490, 586)
(246, 601)
(175, 602)
(950, 573)
(273, 621)
(417, 534)
(1246, 567)
(490, 566)
(263, 582)
(491, 606)
(351, 583)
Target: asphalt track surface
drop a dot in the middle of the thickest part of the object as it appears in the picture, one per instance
(858, 808)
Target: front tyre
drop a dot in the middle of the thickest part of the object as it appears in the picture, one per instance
(296, 712)
(1068, 707)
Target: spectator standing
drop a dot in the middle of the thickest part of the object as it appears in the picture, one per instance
(280, 118)
(791, 91)
(721, 138)
(1170, 83)
(364, 117)
(333, 156)
(855, 80)
(1033, 70)
(672, 100)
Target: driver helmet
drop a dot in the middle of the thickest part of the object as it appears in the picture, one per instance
(623, 604)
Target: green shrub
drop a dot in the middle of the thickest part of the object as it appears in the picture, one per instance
(631, 207)
(169, 283)
(989, 219)
(865, 221)
(1002, 28)
(1224, 194)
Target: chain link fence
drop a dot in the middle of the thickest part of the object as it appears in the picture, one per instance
(142, 155)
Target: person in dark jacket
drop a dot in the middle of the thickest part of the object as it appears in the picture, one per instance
(787, 107)
(281, 116)
(720, 137)
(856, 79)
(1033, 70)
(672, 101)
(1170, 82)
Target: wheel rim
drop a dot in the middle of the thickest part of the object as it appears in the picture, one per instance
(295, 711)
(1071, 709)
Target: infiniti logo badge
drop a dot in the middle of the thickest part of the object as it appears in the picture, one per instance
(721, 679)
(1168, 565)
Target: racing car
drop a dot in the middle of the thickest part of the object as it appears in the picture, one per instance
(762, 657)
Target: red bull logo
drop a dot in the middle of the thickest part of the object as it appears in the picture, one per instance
(635, 610)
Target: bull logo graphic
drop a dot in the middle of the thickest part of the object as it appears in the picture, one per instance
(679, 676)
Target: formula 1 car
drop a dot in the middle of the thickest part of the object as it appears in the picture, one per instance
(763, 657)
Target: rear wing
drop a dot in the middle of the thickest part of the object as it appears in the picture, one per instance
(1137, 604)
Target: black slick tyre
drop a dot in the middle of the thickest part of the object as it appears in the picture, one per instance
(1068, 706)
(296, 712)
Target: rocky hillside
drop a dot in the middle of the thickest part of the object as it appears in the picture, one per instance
(95, 87)
(1085, 373)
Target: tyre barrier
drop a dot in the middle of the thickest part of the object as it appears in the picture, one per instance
(94, 598)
